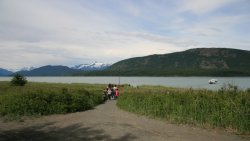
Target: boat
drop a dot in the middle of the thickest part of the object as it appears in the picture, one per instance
(212, 81)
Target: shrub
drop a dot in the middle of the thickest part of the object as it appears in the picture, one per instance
(18, 80)
(45, 99)
(229, 109)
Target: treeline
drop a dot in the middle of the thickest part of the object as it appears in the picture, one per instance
(193, 62)
(177, 72)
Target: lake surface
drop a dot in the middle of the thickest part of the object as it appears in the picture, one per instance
(182, 82)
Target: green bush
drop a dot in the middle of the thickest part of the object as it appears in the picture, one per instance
(45, 99)
(18, 80)
(228, 109)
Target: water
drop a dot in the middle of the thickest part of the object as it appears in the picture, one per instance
(182, 82)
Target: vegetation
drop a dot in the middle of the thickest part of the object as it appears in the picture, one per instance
(18, 80)
(50, 71)
(228, 108)
(193, 62)
(47, 98)
(169, 72)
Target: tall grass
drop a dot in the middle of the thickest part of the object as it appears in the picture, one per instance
(47, 98)
(226, 108)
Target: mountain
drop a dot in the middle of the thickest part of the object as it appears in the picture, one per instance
(50, 71)
(91, 67)
(192, 62)
(61, 70)
(27, 68)
(4, 72)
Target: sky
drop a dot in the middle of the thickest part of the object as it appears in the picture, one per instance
(71, 32)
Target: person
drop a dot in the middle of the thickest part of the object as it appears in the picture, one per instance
(109, 93)
(115, 87)
(112, 94)
(109, 86)
(116, 93)
(105, 97)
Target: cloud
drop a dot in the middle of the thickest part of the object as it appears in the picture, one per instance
(134, 10)
(48, 21)
(203, 6)
(65, 32)
(109, 47)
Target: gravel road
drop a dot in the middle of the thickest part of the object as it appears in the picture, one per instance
(108, 123)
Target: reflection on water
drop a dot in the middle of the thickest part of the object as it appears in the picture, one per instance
(183, 82)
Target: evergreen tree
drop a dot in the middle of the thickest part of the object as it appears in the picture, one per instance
(18, 80)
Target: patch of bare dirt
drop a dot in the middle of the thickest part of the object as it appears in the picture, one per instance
(107, 123)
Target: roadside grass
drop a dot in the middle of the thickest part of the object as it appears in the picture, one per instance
(35, 99)
(227, 108)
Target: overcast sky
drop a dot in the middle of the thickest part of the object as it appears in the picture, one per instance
(70, 32)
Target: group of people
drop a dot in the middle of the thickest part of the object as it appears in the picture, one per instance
(111, 92)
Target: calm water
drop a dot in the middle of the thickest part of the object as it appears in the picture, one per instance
(183, 82)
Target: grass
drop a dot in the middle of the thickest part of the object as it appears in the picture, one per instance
(36, 99)
(228, 108)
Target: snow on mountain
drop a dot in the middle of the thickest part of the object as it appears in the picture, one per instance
(92, 66)
(27, 68)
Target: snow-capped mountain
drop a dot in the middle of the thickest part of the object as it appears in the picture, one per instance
(92, 66)
(27, 68)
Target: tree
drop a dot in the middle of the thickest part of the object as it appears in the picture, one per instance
(18, 80)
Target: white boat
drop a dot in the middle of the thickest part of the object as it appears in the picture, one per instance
(212, 81)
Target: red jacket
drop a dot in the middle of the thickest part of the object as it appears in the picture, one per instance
(117, 93)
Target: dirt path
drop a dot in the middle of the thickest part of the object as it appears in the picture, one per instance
(105, 122)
